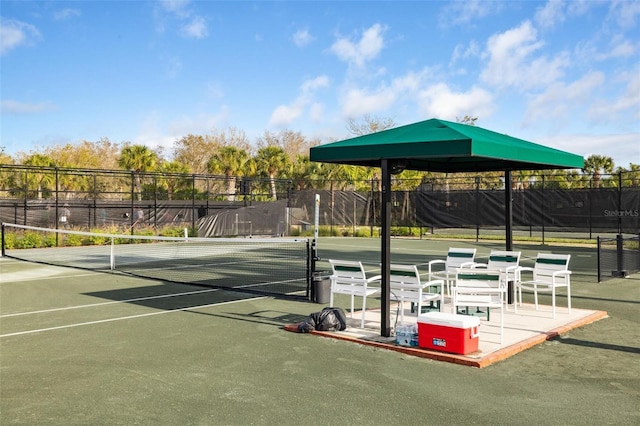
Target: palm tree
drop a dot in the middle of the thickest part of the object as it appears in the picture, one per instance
(232, 162)
(174, 175)
(272, 160)
(594, 165)
(40, 178)
(138, 159)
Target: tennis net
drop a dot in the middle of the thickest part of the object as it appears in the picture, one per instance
(261, 265)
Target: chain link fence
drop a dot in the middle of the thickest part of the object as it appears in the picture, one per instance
(232, 206)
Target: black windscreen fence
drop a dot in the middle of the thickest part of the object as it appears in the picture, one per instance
(568, 211)
(220, 206)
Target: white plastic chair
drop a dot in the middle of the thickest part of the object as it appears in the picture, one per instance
(550, 272)
(456, 258)
(507, 262)
(479, 288)
(405, 286)
(349, 277)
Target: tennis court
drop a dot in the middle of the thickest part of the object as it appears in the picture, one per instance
(85, 347)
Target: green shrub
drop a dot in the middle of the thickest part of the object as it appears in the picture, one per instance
(49, 240)
(72, 240)
(363, 232)
(98, 240)
(30, 239)
(10, 239)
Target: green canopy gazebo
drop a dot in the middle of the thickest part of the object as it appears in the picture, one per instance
(439, 146)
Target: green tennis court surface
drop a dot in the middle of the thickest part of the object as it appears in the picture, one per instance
(83, 347)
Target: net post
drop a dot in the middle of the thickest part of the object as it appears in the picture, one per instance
(2, 240)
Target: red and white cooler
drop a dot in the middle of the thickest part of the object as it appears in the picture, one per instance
(445, 332)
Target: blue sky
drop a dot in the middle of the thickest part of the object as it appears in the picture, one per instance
(563, 74)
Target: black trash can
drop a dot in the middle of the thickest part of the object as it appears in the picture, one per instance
(321, 290)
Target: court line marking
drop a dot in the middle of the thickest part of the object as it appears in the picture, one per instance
(137, 299)
(41, 330)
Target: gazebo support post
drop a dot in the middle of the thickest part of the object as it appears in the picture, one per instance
(508, 210)
(385, 253)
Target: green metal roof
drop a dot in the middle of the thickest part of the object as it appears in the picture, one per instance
(443, 146)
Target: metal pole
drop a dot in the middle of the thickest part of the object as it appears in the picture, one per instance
(132, 201)
(598, 258)
(193, 205)
(372, 215)
(26, 198)
(477, 208)
(385, 255)
(619, 202)
(542, 219)
(57, 205)
(508, 210)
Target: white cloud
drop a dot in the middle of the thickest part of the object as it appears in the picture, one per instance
(555, 104)
(551, 14)
(15, 33)
(316, 112)
(461, 53)
(625, 12)
(284, 115)
(64, 14)
(197, 28)
(623, 148)
(156, 131)
(16, 107)
(465, 12)
(177, 7)
(440, 101)
(619, 47)
(302, 38)
(314, 84)
(191, 25)
(511, 60)
(357, 102)
(626, 106)
(358, 52)
(465, 52)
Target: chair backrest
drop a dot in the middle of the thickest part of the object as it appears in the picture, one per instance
(501, 260)
(547, 263)
(404, 275)
(457, 256)
(468, 280)
(347, 270)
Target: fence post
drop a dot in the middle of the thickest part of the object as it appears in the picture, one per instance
(619, 203)
(620, 272)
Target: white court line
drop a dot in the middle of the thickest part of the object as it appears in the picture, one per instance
(109, 303)
(20, 333)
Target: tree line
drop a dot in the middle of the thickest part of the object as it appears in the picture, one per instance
(285, 155)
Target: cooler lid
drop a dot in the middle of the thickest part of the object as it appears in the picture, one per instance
(449, 320)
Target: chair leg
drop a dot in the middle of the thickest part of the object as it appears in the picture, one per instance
(501, 323)
(364, 309)
(569, 297)
(553, 301)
